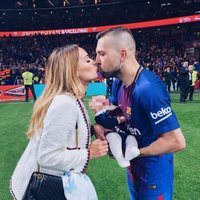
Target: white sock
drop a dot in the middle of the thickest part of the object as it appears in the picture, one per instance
(132, 150)
(115, 144)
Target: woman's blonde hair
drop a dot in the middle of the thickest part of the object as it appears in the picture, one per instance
(60, 77)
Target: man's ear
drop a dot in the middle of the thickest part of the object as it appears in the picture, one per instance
(123, 55)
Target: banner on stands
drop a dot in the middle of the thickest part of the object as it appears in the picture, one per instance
(17, 92)
(12, 93)
(137, 25)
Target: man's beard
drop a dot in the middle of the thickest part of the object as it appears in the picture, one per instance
(114, 73)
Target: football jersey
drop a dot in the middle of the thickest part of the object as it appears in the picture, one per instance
(151, 116)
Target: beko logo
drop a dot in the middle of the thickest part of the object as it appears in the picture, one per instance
(163, 113)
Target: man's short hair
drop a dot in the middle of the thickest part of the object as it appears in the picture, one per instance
(119, 33)
(114, 31)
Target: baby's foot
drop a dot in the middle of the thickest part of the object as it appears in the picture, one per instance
(123, 162)
(132, 153)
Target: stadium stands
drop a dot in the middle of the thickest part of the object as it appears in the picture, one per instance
(154, 50)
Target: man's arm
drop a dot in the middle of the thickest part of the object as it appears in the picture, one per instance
(168, 143)
(99, 131)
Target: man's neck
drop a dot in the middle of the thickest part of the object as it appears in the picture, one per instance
(128, 72)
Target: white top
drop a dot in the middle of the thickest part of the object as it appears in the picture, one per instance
(55, 149)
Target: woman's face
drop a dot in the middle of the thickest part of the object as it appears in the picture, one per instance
(87, 70)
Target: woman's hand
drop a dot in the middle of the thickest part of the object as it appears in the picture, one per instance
(98, 148)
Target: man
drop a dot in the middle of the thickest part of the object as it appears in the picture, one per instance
(28, 77)
(184, 82)
(197, 69)
(168, 78)
(197, 66)
(152, 121)
(192, 80)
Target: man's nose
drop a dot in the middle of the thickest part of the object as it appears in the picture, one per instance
(98, 64)
(97, 61)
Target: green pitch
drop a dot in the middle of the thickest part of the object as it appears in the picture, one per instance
(107, 176)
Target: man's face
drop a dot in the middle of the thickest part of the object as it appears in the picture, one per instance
(190, 68)
(107, 58)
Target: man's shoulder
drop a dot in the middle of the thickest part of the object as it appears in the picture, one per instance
(149, 84)
(195, 73)
(27, 72)
(147, 79)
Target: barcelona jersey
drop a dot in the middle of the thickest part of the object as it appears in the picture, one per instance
(151, 116)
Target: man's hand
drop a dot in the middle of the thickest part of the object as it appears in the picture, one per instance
(99, 132)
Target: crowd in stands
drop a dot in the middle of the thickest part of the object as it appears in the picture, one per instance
(17, 54)
(156, 50)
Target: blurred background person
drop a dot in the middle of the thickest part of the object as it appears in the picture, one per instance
(192, 79)
(184, 82)
(28, 80)
(168, 78)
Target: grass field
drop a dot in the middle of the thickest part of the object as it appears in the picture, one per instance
(107, 176)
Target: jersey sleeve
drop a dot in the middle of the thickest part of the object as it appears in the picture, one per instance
(155, 103)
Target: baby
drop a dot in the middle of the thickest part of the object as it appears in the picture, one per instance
(122, 143)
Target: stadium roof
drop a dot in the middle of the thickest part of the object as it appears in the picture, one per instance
(27, 4)
(30, 15)
(35, 4)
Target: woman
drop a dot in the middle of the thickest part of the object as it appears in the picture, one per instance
(54, 144)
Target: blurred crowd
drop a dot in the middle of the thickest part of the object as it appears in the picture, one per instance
(18, 54)
(159, 51)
